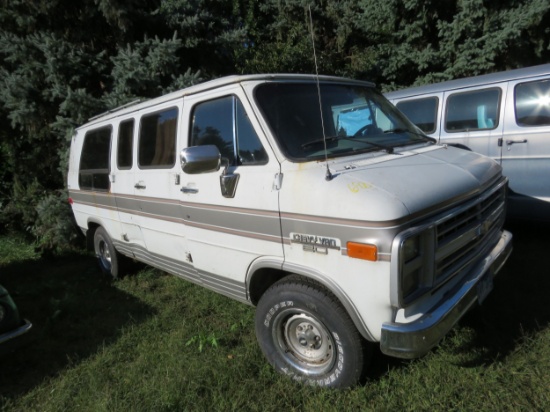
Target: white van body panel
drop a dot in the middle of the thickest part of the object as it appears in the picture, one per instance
(123, 187)
(480, 141)
(235, 230)
(527, 164)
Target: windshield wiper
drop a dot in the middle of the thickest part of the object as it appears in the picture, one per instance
(388, 149)
(400, 130)
(326, 139)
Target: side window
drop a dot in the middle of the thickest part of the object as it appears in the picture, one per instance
(224, 123)
(213, 124)
(125, 144)
(94, 160)
(532, 103)
(157, 139)
(249, 148)
(422, 112)
(477, 110)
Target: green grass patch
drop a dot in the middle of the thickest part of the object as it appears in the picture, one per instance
(153, 342)
(16, 249)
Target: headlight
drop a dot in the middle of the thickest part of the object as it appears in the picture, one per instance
(411, 248)
(411, 282)
(416, 264)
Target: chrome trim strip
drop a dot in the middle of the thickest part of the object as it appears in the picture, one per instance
(224, 286)
(255, 224)
(236, 232)
(166, 264)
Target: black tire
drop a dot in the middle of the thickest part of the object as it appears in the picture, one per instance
(305, 333)
(110, 261)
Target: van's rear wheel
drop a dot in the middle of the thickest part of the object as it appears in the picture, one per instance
(305, 333)
(108, 258)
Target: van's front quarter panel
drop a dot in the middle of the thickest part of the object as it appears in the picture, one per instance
(372, 202)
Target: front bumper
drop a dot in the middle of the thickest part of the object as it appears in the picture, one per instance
(411, 340)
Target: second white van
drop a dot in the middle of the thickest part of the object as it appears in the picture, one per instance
(505, 116)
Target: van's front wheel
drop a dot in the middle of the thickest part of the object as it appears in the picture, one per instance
(305, 333)
(108, 258)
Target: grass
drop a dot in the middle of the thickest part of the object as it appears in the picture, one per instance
(152, 342)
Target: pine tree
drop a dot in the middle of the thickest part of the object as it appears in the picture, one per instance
(63, 61)
(55, 75)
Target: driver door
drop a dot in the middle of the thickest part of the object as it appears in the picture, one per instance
(232, 214)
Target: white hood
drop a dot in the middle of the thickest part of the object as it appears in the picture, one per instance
(388, 187)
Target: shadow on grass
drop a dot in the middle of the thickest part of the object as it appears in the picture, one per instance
(75, 311)
(518, 306)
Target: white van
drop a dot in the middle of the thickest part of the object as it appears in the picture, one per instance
(505, 116)
(311, 198)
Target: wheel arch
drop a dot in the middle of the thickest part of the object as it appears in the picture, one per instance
(264, 273)
(90, 232)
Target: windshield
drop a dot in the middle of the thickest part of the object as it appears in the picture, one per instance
(356, 119)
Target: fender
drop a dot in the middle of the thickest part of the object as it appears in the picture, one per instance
(279, 264)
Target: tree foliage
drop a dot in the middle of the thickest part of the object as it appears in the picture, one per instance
(63, 61)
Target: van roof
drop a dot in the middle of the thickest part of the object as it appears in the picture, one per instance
(534, 71)
(213, 84)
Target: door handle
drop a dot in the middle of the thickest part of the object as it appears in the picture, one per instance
(189, 190)
(140, 185)
(509, 143)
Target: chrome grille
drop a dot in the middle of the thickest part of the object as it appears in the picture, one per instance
(460, 237)
(449, 242)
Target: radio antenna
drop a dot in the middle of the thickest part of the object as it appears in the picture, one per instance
(328, 175)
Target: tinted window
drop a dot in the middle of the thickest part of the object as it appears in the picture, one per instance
(94, 161)
(476, 110)
(533, 103)
(422, 112)
(157, 139)
(125, 144)
(249, 148)
(213, 124)
(224, 123)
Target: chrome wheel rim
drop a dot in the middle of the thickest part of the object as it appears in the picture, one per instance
(304, 342)
(104, 255)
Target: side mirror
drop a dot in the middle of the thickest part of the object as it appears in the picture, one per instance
(200, 159)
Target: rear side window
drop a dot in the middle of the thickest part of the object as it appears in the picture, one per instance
(224, 123)
(470, 111)
(532, 101)
(125, 144)
(157, 139)
(94, 161)
(422, 112)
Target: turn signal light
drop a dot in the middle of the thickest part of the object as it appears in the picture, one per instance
(362, 251)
